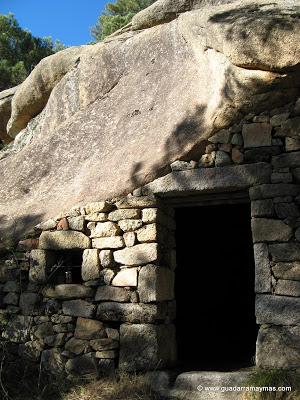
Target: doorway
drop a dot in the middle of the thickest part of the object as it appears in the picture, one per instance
(215, 323)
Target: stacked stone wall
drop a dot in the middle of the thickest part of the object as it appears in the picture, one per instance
(120, 310)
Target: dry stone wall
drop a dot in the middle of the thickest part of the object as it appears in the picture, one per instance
(93, 290)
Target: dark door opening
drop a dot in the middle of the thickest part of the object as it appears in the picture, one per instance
(215, 322)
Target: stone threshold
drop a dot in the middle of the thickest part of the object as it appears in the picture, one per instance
(194, 385)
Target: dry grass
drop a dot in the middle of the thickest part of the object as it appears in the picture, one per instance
(19, 382)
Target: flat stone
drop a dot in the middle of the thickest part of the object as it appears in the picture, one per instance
(278, 119)
(155, 284)
(223, 136)
(150, 215)
(40, 263)
(90, 269)
(257, 135)
(43, 330)
(60, 319)
(112, 293)
(292, 144)
(98, 207)
(277, 310)
(104, 344)
(96, 217)
(126, 277)
(222, 159)
(290, 160)
(284, 177)
(129, 239)
(115, 242)
(64, 240)
(137, 255)
(262, 208)
(105, 229)
(77, 223)
(273, 190)
(291, 127)
(29, 303)
(128, 225)
(270, 230)
(77, 346)
(68, 291)
(137, 202)
(148, 233)
(47, 225)
(82, 365)
(88, 329)
(144, 347)
(78, 308)
(287, 271)
(124, 213)
(53, 360)
(287, 288)
(210, 179)
(262, 268)
(278, 347)
(133, 313)
(261, 154)
(285, 251)
(106, 258)
(286, 210)
(107, 354)
(182, 165)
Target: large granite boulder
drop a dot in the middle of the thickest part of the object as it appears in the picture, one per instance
(121, 111)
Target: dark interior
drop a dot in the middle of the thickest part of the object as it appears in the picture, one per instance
(215, 323)
(67, 268)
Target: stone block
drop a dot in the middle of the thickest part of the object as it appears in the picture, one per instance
(222, 159)
(53, 360)
(281, 177)
(257, 135)
(261, 154)
(278, 119)
(105, 229)
(96, 217)
(223, 136)
(78, 308)
(82, 365)
(146, 347)
(277, 310)
(262, 268)
(207, 160)
(210, 179)
(286, 210)
(289, 160)
(11, 299)
(113, 333)
(273, 190)
(90, 265)
(129, 239)
(43, 330)
(137, 255)
(285, 251)
(126, 277)
(134, 313)
(47, 225)
(115, 242)
(63, 225)
(137, 202)
(291, 127)
(182, 165)
(148, 233)
(40, 263)
(112, 293)
(128, 225)
(107, 354)
(155, 284)
(98, 207)
(68, 291)
(77, 223)
(11, 286)
(104, 344)
(106, 258)
(287, 288)
(262, 208)
(64, 240)
(287, 271)
(292, 144)
(124, 213)
(77, 346)
(88, 329)
(278, 347)
(270, 230)
(29, 303)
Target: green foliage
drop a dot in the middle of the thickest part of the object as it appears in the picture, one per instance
(117, 15)
(274, 378)
(20, 52)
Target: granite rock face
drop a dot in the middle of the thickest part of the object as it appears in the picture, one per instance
(202, 47)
